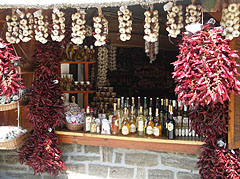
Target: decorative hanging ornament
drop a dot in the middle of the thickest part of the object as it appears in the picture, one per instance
(12, 34)
(58, 29)
(78, 27)
(151, 29)
(151, 25)
(25, 26)
(174, 20)
(102, 66)
(230, 20)
(125, 23)
(41, 27)
(193, 14)
(100, 25)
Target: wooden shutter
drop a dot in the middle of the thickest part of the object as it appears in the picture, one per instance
(234, 106)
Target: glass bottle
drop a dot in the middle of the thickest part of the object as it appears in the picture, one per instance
(115, 122)
(157, 130)
(150, 124)
(185, 121)
(145, 111)
(133, 105)
(179, 121)
(125, 123)
(162, 115)
(166, 113)
(120, 113)
(175, 115)
(88, 120)
(141, 122)
(171, 125)
(132, 121)
(139, 104)
(93, 128)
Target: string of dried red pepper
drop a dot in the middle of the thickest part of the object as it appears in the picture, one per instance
(205, 76)
(42, 150)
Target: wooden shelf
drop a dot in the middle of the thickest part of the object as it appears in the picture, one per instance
(131, 142)
(78, 62)
(90, 91)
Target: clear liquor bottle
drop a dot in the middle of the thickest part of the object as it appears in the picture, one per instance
(125, 123)
(88, 120)
(150, 124)
(115, 122)
(141, 122)
(185, 123)
(179, 121)
(175, 115)
(132, 121)
(157, 130)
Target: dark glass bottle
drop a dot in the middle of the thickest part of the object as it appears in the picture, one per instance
(171, 125)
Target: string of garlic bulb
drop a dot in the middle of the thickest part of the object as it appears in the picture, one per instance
(151, 25)
(100, 25)
(78, 27)
(12, 34)
(125, 23)
(174, 21)
(25, 26)
(112, 58)
(102, 66)
(41, 27)
(230, 20)
(193, 14)
(58, 19)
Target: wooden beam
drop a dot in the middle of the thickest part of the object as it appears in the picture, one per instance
(131, 142)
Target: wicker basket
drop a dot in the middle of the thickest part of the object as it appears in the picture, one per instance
(7, 107)
(74, 127)
(14, 143)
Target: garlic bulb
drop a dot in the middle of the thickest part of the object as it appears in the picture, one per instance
(112, 58)
(125, 23)
(230, 21)
(100, 25)
(78, 27)
(102, 66)
(25, 26)
(57, 33)
(12, 34)
(174, 21)
(193, 14)
(41, 27)
(151, 26)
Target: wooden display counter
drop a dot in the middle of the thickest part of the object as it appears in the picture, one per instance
(130, 142)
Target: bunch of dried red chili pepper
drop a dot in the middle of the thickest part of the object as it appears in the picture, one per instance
(10, 82)
(41, 151)
(205, 76)
(205, 72)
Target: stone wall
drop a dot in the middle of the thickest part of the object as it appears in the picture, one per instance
(93, 162)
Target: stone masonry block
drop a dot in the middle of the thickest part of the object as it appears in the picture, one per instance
(91, 149)
(9, 167)
(76, 168)
(11, 159)
(107, 153)
(121, 172)
(160, 174)
(184, 175)
(98, 170)
(141, 159)
(82, 158)
(23, 175)
(118, 158)
(179, 162)
(141, 173)
(67, 147)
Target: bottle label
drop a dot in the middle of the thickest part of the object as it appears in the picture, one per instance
(88, 123)
(93, 128)
(140, 126)
(98, 129)
(193, 133)
(125, 130)
(156, 131)
(176, 132)
(170, 127)
(186, 132)
(149, 130)
(185, 120)
(132, 128)
(116, 122)
(179, 132)
(183, 133)
(175, 119)
(189, 133)
(179, 118)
